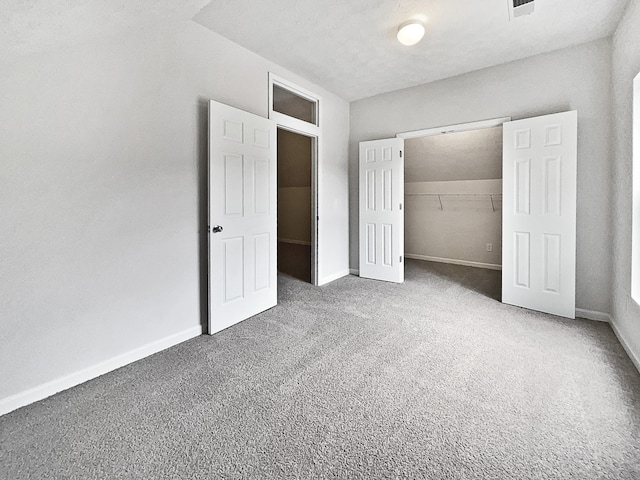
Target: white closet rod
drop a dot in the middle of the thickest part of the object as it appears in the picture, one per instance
(439, 195)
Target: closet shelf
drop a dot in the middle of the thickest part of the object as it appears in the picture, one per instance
(489, 196)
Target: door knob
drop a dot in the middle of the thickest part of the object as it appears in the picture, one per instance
(216, 229)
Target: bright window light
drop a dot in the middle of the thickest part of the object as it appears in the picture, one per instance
(635, 232)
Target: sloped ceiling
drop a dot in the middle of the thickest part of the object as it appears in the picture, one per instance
(36, 25)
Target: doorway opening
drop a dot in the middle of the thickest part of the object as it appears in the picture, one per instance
(453, 203)
(296, 252)
(297, 114)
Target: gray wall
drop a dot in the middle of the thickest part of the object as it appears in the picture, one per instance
(626, 65)
(576, 78)
(103, 192)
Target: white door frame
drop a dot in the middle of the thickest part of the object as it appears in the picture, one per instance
(460, 127)
(301, 127)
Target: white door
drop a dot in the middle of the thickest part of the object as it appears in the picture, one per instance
(242, 215)
(381, 210)
(539, 213)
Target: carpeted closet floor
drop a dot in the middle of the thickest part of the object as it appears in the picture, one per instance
(359, 379)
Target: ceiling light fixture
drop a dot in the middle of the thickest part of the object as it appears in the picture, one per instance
(411, 32)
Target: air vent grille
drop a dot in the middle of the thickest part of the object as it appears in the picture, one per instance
(517, 8)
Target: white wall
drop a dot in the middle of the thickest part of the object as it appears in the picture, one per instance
(103, 192)
(576, 78)
(626, 65)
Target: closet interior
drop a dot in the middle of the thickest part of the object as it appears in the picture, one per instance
(453, 197)
(295, 160)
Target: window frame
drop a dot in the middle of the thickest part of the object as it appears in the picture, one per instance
(635, 206)
(292, 122)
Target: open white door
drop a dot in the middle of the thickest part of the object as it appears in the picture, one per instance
(539, 213)
(242, 215)
(381, 210)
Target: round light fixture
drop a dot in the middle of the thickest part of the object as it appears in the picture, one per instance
(411, 32)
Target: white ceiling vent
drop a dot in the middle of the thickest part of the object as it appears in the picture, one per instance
(517, 8)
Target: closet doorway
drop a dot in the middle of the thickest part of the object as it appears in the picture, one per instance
(539, 170)
(296, 255)
(453, 200)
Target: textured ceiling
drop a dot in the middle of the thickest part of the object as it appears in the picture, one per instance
(345, 46)
(349, 46)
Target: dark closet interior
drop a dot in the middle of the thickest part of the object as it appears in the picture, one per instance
(295, 156)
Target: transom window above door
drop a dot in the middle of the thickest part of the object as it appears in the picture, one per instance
(288, 103)
(292, 101)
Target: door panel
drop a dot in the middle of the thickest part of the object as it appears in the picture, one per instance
(539, 214)
(242, 200)
(522, 259)
(381, 214)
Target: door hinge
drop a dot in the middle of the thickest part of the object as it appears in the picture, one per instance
(400, 258)
(400, 206)
(400, 153)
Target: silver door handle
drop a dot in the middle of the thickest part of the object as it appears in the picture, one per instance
(216, 229)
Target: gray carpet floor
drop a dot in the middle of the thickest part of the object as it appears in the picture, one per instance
(359, 379)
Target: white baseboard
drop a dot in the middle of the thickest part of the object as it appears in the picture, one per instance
(593, 315)
(354, 271)
(635, 359)
(63, 383)
(605, 317)
(333, 277)
(454, 261)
